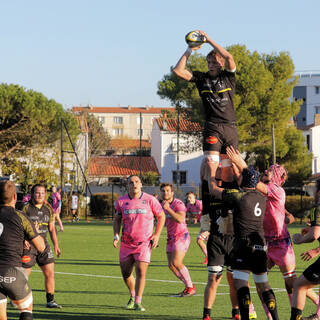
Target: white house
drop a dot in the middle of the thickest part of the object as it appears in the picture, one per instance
(312, 135)
(164, 142)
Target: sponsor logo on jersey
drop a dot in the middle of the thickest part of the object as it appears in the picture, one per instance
(25, 259)
(212, 140)
(7, 279)
(135, 211)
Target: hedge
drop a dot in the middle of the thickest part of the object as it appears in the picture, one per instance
(101, 204)
(298, 205)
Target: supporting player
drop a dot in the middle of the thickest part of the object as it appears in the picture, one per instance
(41, 215)
(216, 89)
(249, 250)
(178, 239)
(311, 276)
(136, 211)
(15, 227)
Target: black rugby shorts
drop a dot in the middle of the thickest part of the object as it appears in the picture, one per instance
(312, 273)
(219, 249)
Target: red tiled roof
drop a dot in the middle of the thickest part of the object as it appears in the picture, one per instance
(129, 144)
(128, 109)
(121, 165)
(171, 124)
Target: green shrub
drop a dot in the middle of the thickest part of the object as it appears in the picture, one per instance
(298, 205)
(101, 204)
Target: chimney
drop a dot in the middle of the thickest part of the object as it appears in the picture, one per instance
(317, 119)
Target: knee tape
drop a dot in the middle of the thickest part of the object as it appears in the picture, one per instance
(215, 270)
(289, 274)
(25, 304)
(260, 278)
(3, 301)
(240, 275)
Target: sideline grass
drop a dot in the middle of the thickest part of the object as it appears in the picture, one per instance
(89, 283)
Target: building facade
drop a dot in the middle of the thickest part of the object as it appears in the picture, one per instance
(308, 90)
(128, 121)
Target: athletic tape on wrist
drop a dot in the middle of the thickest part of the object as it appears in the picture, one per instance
(116, 237)
(189, 50)
(213, 157)
(225, 163)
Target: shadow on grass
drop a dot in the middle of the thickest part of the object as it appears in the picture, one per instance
(77, 262)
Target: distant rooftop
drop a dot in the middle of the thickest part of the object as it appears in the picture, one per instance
(128, 109)
(307, 73)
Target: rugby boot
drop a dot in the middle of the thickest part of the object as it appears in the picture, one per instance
(312, 317)
(53, 304)
(206, 318)
(205, 261)
(188, 292)
(139, 307)
(130, 304)
(252, 315)
(236, 314)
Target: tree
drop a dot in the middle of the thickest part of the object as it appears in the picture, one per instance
(29, 121)
(264, 86)
(99, 138)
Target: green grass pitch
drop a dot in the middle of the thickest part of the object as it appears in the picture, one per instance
(89, 284)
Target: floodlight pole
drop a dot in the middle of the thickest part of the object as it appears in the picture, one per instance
(273, 145)
(178, 159)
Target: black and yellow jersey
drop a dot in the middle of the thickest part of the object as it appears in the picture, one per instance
(41, 216)
(15, 227)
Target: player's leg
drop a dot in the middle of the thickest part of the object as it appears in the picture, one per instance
(141, 268)
(202, 243)
(25, 307)
(210, 292)
(57, 215)
(3, 307)
(241, 278)
(268, 297)
(233, 295)
(126, 267)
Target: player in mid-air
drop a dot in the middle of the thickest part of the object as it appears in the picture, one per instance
(178, 239)
(216, 89)
(136, 211)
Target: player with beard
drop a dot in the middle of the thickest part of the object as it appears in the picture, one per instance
(178, 239)
(216, 89)
(41, 214)
(136, 211)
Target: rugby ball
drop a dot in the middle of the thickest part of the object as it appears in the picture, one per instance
(194, 39)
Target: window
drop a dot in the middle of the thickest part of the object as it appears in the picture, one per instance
(308, 141)
(317, 90)
(117, 132)
(317, 109)
(138, 120)
(101, 120)
(140, 132)
(118, 120)
(183, 177)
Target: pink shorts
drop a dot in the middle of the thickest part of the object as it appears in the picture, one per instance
(281, 252)
(179, 243)
(141, 252)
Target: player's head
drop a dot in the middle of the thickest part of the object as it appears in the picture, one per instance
(53, 189)
(191, 197)
(134, 184)
(250, 178)
(8, 193)
(276, 174)
(215, 62)
(38, 193)
(167, 192)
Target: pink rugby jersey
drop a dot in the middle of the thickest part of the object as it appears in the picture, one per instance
(274, 219)
(195, 208)
(175, 228)
(137, 217)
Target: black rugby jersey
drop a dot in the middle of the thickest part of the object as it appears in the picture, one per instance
(248, 212)
(42, 216)
(217, 95)
(15, 227)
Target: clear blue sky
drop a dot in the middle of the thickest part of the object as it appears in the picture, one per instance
(110, 53)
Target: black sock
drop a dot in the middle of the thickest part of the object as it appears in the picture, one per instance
(50, 297)
(270, 301)
(26, 316)
(244, 301)
(206, 312)
(295, 314)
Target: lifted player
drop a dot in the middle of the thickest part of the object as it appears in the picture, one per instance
(216, 89)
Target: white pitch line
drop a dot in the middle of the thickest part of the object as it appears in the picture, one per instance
(154, 280)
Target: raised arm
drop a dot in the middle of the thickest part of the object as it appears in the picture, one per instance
(229, 61)
(180, 69)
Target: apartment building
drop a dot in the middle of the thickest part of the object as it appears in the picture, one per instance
(128, 121)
